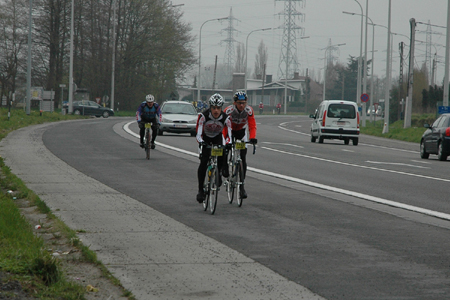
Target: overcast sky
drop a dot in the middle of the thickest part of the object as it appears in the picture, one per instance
(323, 20)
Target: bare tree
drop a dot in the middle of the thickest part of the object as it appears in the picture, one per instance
(261, 59)
(240, 59)
(13, 35)
(153, 46)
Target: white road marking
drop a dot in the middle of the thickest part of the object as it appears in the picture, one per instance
(285, 144)
(421, 162)
(358, 166)
(395, 164)
(345, 150)
(369, 145)
(424, 211)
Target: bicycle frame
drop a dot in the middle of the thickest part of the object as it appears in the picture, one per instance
(236, 179)
(211, 185)
(147, 139)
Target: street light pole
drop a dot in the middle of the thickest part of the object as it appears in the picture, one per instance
(325, 67)
(358, 88)
(371, 69)
(365, 67)
(200, 55)
(365, 63)
(246, 53)
(28, 103)
(447, 58)
(70, 110)
(388, 82)
(113, 67)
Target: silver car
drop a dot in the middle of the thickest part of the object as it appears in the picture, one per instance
(178, 117)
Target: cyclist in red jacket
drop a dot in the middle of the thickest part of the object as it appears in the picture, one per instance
(243, 127)
(278, 108)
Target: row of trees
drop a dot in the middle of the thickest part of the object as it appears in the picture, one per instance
(153, 47)
(342, 83)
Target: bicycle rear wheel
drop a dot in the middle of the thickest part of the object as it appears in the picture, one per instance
(239, 182)
(214, 181)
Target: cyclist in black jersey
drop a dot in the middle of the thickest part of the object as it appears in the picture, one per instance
(148, 112)
(211, 126)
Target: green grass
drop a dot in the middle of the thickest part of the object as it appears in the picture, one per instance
(397, 132)
(23, 254)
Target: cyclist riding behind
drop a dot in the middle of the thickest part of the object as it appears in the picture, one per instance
(243, 124)
(210, 127)
(148, 112)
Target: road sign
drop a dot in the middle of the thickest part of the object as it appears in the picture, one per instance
(443, 109)
(364, 97)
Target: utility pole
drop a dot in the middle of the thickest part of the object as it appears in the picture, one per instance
(71, 87)
(447, 46)
(229, 57)
(388, 74)
(214, 78)
(433, 70)
(408, 105)
(288, 44)
(365, 68)
(400, 83)
(113, 63)
(28, 100)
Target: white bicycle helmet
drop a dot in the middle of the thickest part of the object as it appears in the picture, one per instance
(149, 98)
(216, 100)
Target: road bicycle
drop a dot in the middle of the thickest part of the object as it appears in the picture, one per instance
(236, 179)
(211, 185)
(147, 139)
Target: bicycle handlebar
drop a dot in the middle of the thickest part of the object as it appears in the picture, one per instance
(254, 145)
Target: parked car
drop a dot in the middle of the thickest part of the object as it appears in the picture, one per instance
(90, 108)
(377, 112)
(178, 117)
(336, 119)
(436, 138)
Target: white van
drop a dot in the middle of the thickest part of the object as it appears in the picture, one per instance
(336, 119)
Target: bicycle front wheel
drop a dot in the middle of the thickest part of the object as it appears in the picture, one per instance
(147, 143)
(207, 190)
(231, 183)
(239, 182)
(214, 180)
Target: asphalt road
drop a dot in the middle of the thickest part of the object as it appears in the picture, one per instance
(316, 213)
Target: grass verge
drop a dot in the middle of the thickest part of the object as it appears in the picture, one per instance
(396, 131)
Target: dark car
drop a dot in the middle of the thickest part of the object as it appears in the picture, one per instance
(436, 139)
(90, 108)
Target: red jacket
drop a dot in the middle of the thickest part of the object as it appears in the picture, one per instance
(243, 119)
